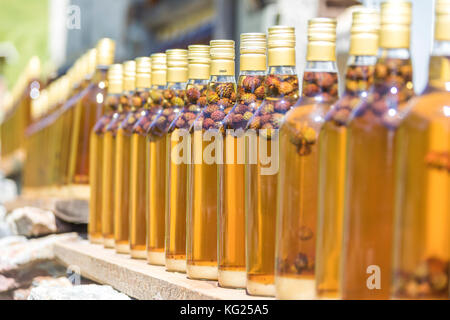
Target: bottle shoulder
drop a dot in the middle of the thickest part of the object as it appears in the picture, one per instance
(430, 106)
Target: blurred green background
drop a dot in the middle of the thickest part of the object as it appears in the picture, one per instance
(24, 23)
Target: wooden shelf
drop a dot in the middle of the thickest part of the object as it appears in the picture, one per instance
(136, 278)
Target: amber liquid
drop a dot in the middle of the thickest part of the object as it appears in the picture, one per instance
(138, 228)
(202, 219)
(232, 215)
(109, 152)
(332, 157)
(87, 111)
(95, 201)
(422, 250)
(156, 194)
(176, 216)
(261, 221)
(122, 190)
(370, 190)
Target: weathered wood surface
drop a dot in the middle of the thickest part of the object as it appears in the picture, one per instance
(136, 278)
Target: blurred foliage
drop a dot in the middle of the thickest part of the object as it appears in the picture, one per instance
(24, 23)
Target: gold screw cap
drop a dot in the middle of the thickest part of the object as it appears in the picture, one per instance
(177, 65)
(222, 57)
(442, 28)
(321, 39)
(281, 44)
(364, 32)
(199, 62)
(395, 24)
(115, 79)
(105, 52)
(143, 72)
(159, 69)
(253, 51)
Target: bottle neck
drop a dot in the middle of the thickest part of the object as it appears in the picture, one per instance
(282, 83)
(439, 75)
(359, 75)
(99, 76)
(393, 70)
(320, 81)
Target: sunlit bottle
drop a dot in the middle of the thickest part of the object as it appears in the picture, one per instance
(80, 77)
(261, 168)
(332, 150)
(231, 174)
(112, 100)
(155, 209)
(109, 181)
(138, 160)
(422, 211)
(122, 169)
(370, 169)
(172, 102)
(179, 155)
(207, 146)
(299, 166)
(89, 108)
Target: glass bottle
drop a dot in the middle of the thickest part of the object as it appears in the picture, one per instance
(261, 163)
(369, 193)
(122, 167)
(298, 175)
(112, 100)
(154, 178)
(231, 173)
(178, 148)
(109, 178)
(332, 150)
(172, 102)
(89, 108)
(135, 171)
(422, 211)
(81, 75)
(207, 146)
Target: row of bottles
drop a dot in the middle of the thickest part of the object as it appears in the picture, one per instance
(296, 195)
(16, 109)
(63, 115)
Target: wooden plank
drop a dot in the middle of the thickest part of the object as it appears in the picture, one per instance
(136, 278)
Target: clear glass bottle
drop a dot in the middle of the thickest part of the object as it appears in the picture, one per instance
(370, 168)
(178, 156)
(155, 194)
(109, 179)
(332, 150)
(172, 102)
(261, 163)
(133, 193)
(422, 217)
(201, 241)
(231, 173)
(122, 167)
(112, 100)
(88, 109)
(298, 175)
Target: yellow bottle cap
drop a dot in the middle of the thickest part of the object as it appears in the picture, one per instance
(364, 32)
(177, 65)
(442, 28)
(129, 75)
(253, 51)
(281, 44)
(321, 39)
(143, 72)
(199, 62)
(159, 69)
(222, 57)
(105, 52)
(115, 79)
(395, 24)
